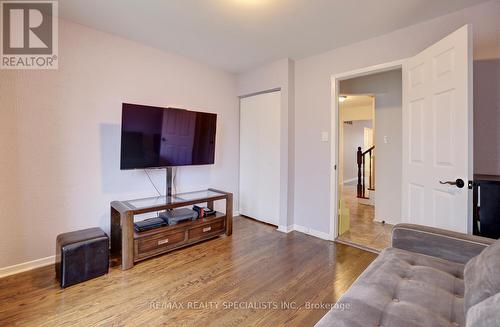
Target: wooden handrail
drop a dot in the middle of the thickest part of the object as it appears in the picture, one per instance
(369, 150)
(361, 161)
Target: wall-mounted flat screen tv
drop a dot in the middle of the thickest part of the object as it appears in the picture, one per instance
(154, 137)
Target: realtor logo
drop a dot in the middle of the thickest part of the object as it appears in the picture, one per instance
(29, 35)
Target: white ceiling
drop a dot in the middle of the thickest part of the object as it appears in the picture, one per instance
(237, 35)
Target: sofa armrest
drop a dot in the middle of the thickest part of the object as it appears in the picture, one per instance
(436, 242)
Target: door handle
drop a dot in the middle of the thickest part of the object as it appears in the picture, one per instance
(161, 242)
(458, 183)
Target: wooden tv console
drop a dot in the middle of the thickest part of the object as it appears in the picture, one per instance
(131, 246)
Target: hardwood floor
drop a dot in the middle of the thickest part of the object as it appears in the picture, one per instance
(228, 281)
(364, 230)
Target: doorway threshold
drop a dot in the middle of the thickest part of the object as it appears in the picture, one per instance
(358, 246)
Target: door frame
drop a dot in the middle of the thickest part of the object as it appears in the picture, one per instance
(335, 132)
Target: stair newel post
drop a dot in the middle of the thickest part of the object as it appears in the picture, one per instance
(359, 161)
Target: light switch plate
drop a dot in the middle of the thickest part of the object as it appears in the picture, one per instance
(324, 136)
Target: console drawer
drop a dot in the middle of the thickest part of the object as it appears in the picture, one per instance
(159, 242)
(215, 227)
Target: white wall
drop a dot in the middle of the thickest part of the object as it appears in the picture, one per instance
(313, 96)
(60, 135)
(279, 74)
(387, 89)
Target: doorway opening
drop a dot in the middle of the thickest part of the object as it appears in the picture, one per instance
(369, 158)
(426, 181)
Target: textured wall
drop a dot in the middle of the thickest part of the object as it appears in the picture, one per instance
(60, 135)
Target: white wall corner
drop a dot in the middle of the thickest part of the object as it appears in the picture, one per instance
(26, 266)
(236, 213)
(285, 229)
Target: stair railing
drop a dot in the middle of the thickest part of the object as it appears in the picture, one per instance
(362, 158)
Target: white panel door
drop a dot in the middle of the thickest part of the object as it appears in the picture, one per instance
(437, 133)
(260, 156)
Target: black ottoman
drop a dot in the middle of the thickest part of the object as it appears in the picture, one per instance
(81, 255)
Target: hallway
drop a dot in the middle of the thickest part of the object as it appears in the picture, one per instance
(364, 230)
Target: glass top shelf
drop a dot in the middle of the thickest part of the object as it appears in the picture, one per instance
(180, 198)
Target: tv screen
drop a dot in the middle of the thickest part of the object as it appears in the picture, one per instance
(165, 137)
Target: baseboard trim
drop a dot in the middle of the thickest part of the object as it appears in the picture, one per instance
(26, 266)
(304, 230)
(312, 232)
(236, 213)
(285, 229)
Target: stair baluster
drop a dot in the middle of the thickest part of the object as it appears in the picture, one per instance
(361, 161)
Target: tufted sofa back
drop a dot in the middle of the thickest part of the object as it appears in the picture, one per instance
(482, 283)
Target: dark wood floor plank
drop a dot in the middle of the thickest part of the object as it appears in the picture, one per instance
(256, 277)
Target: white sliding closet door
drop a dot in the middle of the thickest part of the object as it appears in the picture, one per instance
(260, 156)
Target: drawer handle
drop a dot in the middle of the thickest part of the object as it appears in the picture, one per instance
(165, 241)
(207, 229)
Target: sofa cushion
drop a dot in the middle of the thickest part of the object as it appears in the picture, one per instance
(482, 275)
(485, 313)
(402, 288)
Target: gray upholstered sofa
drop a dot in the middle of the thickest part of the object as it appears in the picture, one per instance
(429, 277)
